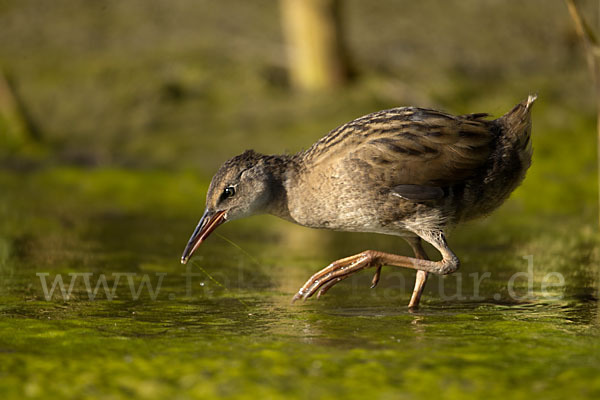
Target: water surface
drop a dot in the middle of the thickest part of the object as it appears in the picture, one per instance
(225, 326)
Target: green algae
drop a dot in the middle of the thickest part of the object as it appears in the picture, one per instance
(231, 331)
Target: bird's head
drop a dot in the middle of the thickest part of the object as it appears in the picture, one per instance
(240, 188)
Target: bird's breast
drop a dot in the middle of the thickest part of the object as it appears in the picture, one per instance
(334, 197)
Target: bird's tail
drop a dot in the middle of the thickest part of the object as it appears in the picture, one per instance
(517, 123)
(511, 156)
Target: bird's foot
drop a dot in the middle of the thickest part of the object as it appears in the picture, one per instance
(337, 271)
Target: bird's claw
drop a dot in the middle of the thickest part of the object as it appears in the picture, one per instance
(376, 277)
(336, 272)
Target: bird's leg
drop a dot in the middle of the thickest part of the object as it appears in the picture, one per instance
(343, 268)
(421, 277)
(415, 244)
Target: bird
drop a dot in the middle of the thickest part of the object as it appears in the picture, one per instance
(410, 172)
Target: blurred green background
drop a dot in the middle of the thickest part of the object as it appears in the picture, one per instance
(133, 106)
(185, 84)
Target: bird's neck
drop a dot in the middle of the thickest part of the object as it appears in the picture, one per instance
(282, 170)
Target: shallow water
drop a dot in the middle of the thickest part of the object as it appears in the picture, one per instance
(225, 326)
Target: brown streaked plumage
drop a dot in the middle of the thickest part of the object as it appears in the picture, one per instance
(410, 172)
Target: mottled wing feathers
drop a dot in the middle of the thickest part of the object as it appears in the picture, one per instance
(410, 146)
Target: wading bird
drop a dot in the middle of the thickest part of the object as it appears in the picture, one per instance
(410, 172)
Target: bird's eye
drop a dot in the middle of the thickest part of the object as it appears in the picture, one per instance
(228, 192)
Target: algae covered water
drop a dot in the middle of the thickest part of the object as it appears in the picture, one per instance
(94, 303)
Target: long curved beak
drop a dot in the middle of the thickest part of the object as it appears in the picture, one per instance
(207, 224)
